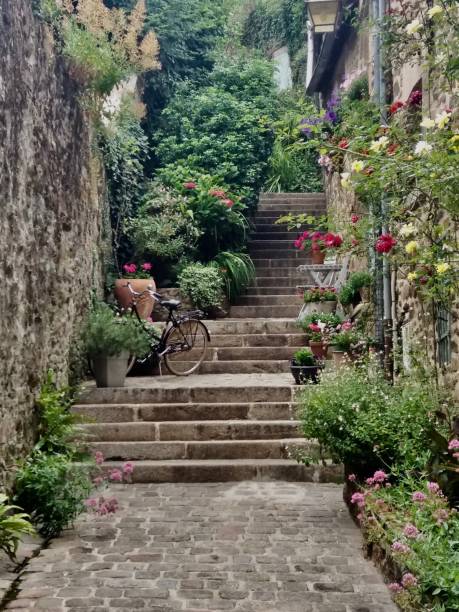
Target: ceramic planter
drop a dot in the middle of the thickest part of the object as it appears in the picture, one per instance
(145, 304)
(305, 374)
(319, 349)
(327, 307)
(340, 358)
(318, 257)
(110, 371)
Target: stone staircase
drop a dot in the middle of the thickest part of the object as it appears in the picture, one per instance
(235, 420)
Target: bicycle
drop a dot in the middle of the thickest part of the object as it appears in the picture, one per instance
(184, 335)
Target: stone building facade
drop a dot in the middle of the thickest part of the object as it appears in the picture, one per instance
(51, 230)
(340, 57)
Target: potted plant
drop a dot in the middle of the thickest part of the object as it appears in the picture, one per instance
(358, 285)
(140, 279)
(320, 327)
(318, 242)
(321, 299)
(342, 345)
(305, 367)
(109, 340)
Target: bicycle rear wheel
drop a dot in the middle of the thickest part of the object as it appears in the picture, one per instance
(186, 347)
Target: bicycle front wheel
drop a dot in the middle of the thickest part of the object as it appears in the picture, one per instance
(186, 347)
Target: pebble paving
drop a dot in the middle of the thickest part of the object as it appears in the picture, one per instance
(250, 546)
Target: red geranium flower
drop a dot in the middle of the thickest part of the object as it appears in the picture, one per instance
(415, 98)
(392, 149)
(190, 185)
(385, 243)
(228, 203)
(396, 106)
(217, 193)
(343, 143)
(355, 218)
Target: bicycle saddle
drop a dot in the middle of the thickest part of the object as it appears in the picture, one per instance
(171, 304)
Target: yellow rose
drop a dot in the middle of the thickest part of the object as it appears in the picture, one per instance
(435, 10)
(442, 267)
(357, 166)
(412, 247)
(412, 276)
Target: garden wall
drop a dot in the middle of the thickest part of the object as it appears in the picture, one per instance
(50, 220)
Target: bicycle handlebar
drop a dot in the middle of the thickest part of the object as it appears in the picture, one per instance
(149, 290)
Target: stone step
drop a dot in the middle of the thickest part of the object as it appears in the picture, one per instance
(126, 413)
(148, 391)
(245, 367)
(292, 255)
(272, 245)
(220, 449)
(259, 340)
(263, 262)
(273, 290)
(248, 353)
(294, 195)
(275, 235)
(251, 299)
(275, 280)
(284, 207)
(227, 470)
(251, 326)
(262, 215)
(170, 431)
(244, 312)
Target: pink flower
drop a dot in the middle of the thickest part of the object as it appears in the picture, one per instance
(190, 185)
(454, 444)
(359, 499)
(298, 243)
(408, 580)
(385, 243)
(419, 496)
(433, 487)
(401, 548)
(90, 503)
(128, 468)
(355, 218)
(98, 481)
(98, 457)
(147, 267)
(354, 242)
(411, 531)
(380, 476)
(370, 482)
(228, 203)
(352, 478)
(116, 476)
(415, 98)
(346, 326)
(314, 327)
(441, 515)
(395, 587)
(217, 193)
(130, 268)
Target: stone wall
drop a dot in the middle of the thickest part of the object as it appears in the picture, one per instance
(50, 220)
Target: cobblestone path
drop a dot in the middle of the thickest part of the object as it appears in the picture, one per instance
(268, 546)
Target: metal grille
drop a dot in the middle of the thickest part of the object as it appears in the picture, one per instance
(443, 336)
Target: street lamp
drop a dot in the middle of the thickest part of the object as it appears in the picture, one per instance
(322, 14)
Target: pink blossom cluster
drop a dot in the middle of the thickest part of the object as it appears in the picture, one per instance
(419, 497)
(433, 487)
(385, 243)
(319, 241)
(359, 499)
(411, 531)
(190, 185)
(101, 505)
(399, 547)
(131, 268)
(378, 478)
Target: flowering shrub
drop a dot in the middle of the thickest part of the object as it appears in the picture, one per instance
(318, 241)
(100, 504)
(320, 327)
(132, 270)
(413, 522)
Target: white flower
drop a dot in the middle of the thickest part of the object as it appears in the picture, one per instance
(409, 229)
(321, 325)
(442, 119)
(423, 148)
(357, 166)
(428, 123)
(435, 10)
(379, 144)
(413, 27)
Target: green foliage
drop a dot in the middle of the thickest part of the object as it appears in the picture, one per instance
(433, 557)
(238, 271)
(355, 282)
(107, 334)
(124, 148)
(304, 357)
(203, 285)
(13, 526)
(331, 319)
(345, 340)
(359, 89)
(52, 489)
(163, 227)
(364, 421)
(320, 294)
(215, 131)
(57, 424)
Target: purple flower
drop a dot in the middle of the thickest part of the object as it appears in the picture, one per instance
(395, 587)
(331, 116)
(454, 444)
(433, 487)
(359, 499)
(441, 515)
(399, 547)
(411, 531)
(419, 496)
(380, 476)
(409, 580)
(352, 478)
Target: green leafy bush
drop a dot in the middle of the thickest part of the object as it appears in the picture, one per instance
(331, 319)
(355, 282)
(13, 526)
(364, 421)
(107, 334)
(203, 285)
(304, 357)
(238, 271)
(52, 489)
(345, 340)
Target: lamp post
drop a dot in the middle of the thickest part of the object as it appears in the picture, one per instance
(323, 14)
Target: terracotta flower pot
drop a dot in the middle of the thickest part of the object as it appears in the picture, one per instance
(340, 358)
(319, 349)
(145, 304)
(318, 257)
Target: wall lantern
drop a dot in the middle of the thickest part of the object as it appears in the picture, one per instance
(323, 14)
